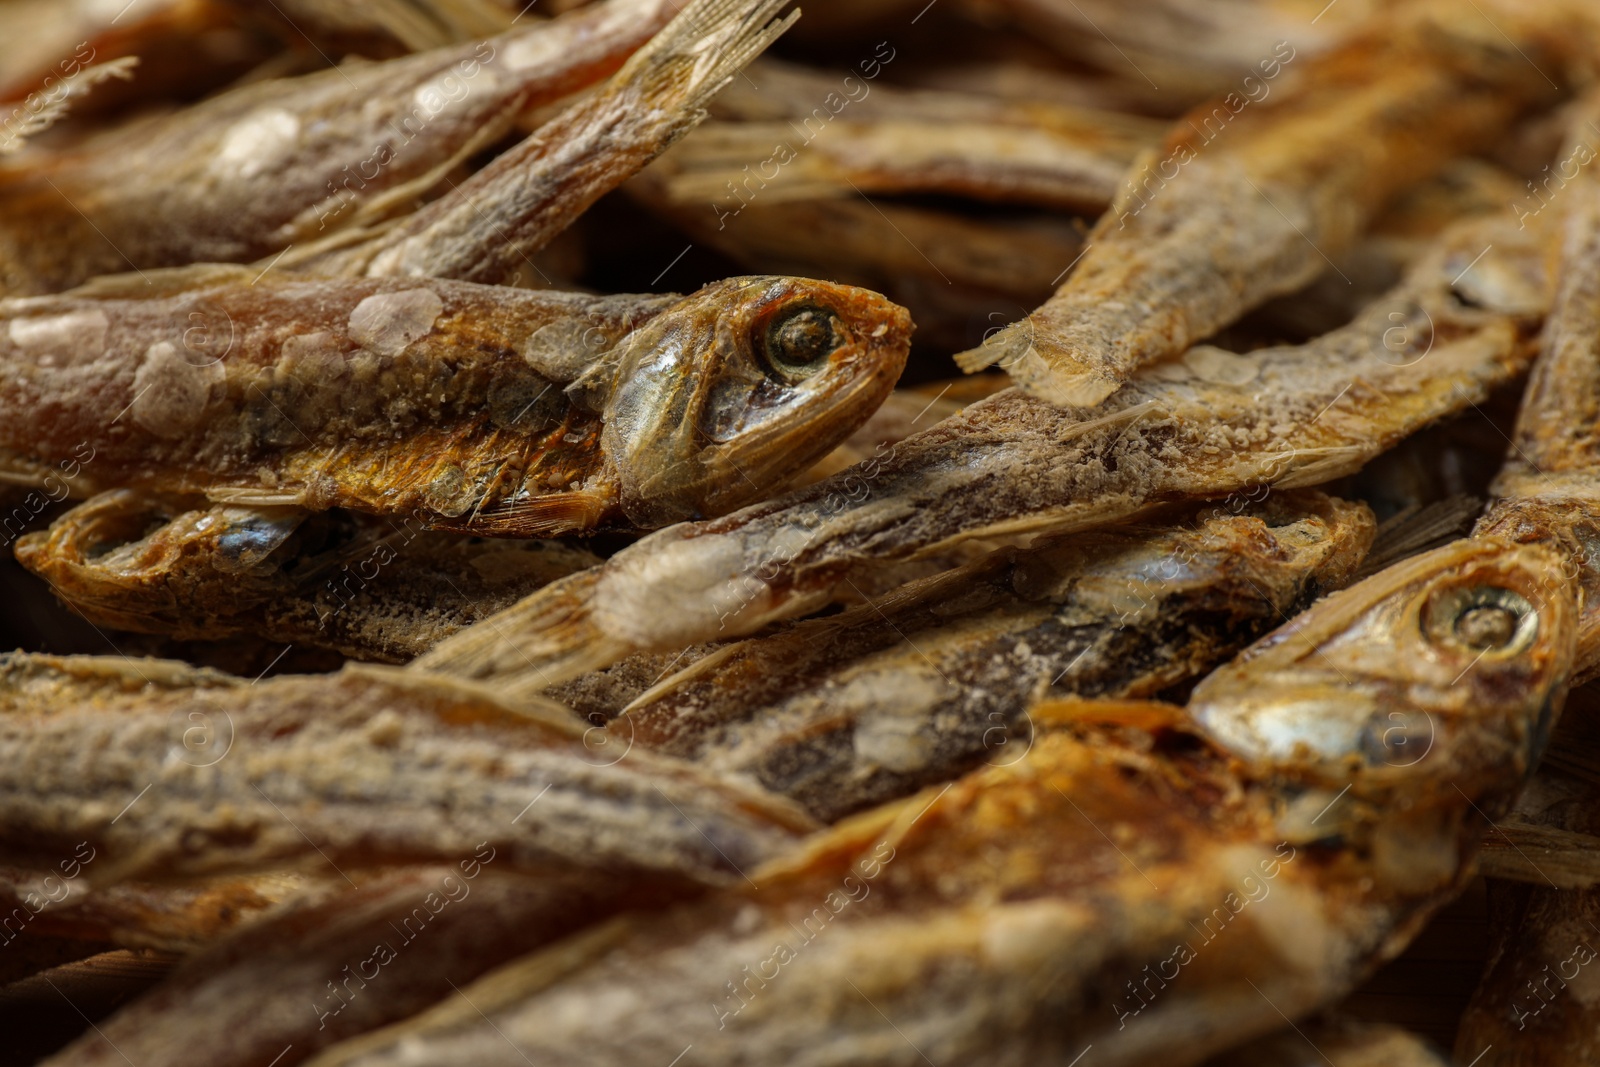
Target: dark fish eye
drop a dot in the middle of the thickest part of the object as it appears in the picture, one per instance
(1482, 619)
(798, 340)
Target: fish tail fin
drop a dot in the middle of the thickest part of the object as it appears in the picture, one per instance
(1003, 346)
(543, 639)
(701, 49)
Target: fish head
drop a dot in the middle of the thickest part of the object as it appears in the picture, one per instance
(1442, 673)
(733, 390)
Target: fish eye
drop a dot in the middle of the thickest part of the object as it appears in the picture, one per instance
(796, 342)
(1481, 619)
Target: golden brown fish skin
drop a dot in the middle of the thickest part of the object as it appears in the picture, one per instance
(371, 765)
(1011, 917)
(334, 967)
(1290, 182)
(369, 588)
(1548, 491)
(290, 161)
(144, 915)
(917, 687)
(484, 228)
(477, 408)
(1013, 467)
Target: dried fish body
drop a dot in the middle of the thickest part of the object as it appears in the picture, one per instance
(1073, 898)
(478, 408)
(857, 709)
(367, 587)
(980, 161)
(777, 91)
(1204, 232)
(483, 229)
(289, 161)
(1548, 491)
(805, 135)
(143, 915)
(1013, 467)
(332, 968)
(369, 767)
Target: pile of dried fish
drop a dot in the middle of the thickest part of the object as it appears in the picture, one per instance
(639, 533)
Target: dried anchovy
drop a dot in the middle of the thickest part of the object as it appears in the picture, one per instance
(1548, 491)
(479, 408)
(1024, 912)
(329, 969)
(1204, 233)
(483, 229)
(1013, 467)
(288, 161)
(369, 588)
(857, 709)
(365, 768)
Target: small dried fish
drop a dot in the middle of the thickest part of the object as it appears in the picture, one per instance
(856, 709)
(483, 229)
(328, 969)
(1037, 166)
(1013, 467)
(1156, 883)
(804, 135)
(144, 915)
(367, 587)
(478, 408)
(368, 767)
(1548, 491)
(288, 161)
(1206, 232)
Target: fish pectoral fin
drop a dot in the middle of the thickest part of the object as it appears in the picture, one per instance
(547, 515)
